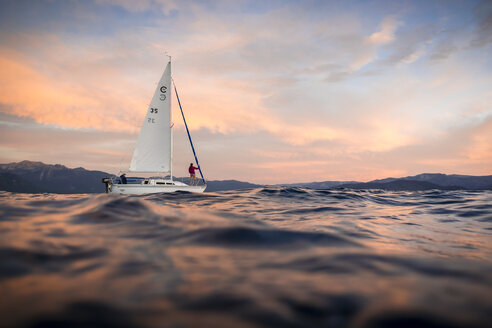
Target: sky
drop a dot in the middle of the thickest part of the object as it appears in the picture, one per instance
(273, 91)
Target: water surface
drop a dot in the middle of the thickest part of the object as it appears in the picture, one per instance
(269, 257)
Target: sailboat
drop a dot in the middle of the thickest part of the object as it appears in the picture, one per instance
(153, 153)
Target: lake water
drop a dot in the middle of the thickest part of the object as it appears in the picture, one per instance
(268, 257)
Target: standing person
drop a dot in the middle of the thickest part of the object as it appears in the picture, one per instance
(123, 178)
(192, 169)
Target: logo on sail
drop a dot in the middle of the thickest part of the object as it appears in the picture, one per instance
(163, 91)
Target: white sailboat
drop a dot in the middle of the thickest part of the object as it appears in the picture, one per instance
(154, 150)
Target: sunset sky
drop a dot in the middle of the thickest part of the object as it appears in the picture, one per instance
(274, 91)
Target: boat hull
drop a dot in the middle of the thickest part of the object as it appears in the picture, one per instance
(135, 189)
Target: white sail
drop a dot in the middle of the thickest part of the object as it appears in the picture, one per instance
(153, 150)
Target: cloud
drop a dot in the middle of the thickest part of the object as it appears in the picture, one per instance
(483, 29)
(480, 150)
(443, 49)
(387, 32)
(414, 55)
(24, 139)
(142, 5)
(411, 45)
(60, 101)
(461, 149)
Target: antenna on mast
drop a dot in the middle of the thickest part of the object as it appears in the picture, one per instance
(165, 53)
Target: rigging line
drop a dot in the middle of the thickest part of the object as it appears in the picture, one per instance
(188, 131)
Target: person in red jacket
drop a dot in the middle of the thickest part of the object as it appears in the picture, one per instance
(192, 169)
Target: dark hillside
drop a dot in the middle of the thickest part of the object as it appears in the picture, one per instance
(52, 178)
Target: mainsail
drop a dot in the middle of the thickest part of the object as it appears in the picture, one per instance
(153, 150)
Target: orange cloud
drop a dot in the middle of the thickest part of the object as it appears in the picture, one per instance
(28, 93)
(481, 148)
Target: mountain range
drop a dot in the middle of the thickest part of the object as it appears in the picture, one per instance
(27, 176)
(425, 181)
(37, 177)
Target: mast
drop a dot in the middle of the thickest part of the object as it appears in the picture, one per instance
(171, 127)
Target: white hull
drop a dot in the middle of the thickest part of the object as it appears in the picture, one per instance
(134, 189)
(149, 186)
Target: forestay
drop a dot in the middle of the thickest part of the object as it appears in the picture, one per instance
(153, 150)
